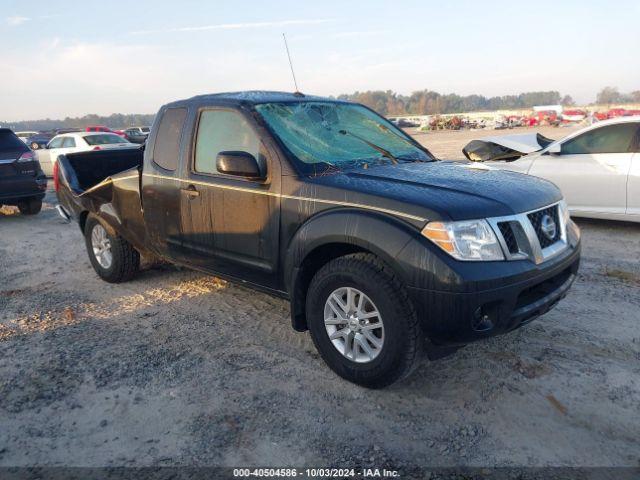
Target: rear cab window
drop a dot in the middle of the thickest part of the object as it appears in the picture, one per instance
(167, 143)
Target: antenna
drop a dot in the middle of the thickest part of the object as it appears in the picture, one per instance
(293, 74)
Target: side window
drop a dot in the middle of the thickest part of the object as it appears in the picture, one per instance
(56, 142)
(609, 139)
(635, 147)
(220, 131)
(68, 142)
(167, 145)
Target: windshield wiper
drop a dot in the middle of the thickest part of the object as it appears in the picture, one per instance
(384, 152)
(406, 140)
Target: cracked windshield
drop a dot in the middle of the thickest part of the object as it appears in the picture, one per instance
(340, 135)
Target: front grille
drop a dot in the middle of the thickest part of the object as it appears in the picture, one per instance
(509, 238)
(522, 236)
(536, 219)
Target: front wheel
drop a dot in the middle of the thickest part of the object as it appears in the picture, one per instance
(362, 322)
(34, 146)
(112, 257)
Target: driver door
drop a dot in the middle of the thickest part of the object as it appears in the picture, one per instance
(592, 169)
(230, 224)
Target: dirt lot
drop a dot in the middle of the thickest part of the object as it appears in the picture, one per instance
(177, 368)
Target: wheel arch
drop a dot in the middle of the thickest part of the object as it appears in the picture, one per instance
(334, 234)
(82, 220)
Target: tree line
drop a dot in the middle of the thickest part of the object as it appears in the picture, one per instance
(115, 120)
(390, 103)
(428, 102)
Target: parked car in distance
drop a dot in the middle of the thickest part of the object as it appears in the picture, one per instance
(98, 128)
(22, 182)
(102, 128)
(24, 136)
(376, 244)
(136, 134)
(42, 139)
(597, 168)
(78, 142)
(404, 123)
(139, 130)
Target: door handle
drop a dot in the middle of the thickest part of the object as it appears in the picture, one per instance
(191, 191)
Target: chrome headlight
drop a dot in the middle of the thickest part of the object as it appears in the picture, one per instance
(471, 240)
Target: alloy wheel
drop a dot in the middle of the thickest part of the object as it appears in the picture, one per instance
(101, 246)
(354, 325)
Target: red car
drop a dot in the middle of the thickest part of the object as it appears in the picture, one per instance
(102, 128)
(98, 128)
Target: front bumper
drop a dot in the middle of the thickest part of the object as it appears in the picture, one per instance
(489, 299)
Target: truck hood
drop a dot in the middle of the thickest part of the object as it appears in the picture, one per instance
(506, 147)
(444, 190)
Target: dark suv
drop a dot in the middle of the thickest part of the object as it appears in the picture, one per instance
(22, 181)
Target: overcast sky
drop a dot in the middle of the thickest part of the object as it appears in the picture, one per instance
(67, 58)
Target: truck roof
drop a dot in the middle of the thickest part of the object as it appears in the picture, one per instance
(250, 97)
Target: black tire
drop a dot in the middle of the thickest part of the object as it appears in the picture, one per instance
(34, 146)
(403, 338)
(125, 259)
(30, 207)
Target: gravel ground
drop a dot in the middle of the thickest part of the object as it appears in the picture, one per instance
(178, 368)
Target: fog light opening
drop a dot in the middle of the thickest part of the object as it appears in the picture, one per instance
(482, 319)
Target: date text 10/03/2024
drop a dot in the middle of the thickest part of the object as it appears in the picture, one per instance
(316, 472)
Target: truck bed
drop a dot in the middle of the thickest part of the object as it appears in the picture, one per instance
(86, 170)
(107, 184)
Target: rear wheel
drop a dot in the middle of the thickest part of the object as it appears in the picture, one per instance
(362, 321)
(112, 257)
(30, 207)
(34, 146)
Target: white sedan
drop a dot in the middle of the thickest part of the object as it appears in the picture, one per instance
(78, 142)
(597, 168)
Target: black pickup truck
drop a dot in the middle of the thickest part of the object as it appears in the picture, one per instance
(383, 251)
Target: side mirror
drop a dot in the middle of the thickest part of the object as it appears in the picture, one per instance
(554, 149)
(240, 164)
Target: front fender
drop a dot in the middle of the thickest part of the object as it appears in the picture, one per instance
(334, 233)
(382, 235)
